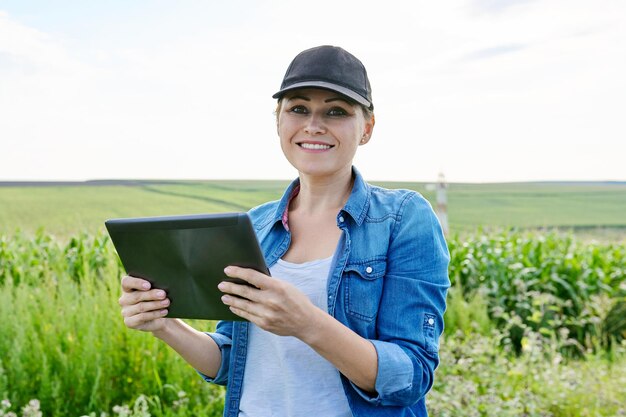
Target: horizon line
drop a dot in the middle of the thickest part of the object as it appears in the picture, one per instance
(127, 181)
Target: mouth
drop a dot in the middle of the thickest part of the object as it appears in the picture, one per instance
(315, 146)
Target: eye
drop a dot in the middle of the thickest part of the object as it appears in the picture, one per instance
(337, 111)
(299, 109)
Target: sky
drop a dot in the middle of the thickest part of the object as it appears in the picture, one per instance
(480, 90)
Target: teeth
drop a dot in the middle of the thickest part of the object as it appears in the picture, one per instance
(314, 146)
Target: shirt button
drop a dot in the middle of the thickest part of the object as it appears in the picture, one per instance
(369, 269)
(431, 321)
(340, 219)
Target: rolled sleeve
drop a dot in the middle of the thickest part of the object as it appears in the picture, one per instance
(396, 376)
(223, 339)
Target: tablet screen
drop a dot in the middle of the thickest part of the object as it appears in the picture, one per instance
(186, 257)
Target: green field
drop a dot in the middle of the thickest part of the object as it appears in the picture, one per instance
(535, 324)
(65, 210)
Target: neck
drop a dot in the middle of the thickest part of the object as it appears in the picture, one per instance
(322, 194)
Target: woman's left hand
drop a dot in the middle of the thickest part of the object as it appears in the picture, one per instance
(280, 308)
(274, 305)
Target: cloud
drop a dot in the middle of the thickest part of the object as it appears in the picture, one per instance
(494, 51)
(22, 45)
(16, 64)
(496, 6)
(192, 100)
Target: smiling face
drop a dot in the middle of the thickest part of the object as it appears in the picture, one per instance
(320, 131)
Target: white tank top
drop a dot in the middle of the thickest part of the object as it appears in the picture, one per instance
(283, 375)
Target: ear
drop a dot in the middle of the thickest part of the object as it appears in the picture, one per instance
(368, 129)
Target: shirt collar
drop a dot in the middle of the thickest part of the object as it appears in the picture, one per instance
(359, 199)
(356, 206)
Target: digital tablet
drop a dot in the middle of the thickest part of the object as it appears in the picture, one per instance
(186, 257)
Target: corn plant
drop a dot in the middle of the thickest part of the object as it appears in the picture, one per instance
(546, 282)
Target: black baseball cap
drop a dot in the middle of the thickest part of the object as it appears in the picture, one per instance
(331, 68)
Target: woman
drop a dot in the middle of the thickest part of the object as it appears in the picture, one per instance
(349, 321)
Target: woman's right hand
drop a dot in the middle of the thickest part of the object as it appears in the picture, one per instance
(143, 308)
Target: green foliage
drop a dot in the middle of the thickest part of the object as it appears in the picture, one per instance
(63, 341)
(519, 302)
(614, 324)
(477, 379)
(547, 283)
(466, 316)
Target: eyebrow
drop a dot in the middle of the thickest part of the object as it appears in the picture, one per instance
(299, 97)
(337, 99)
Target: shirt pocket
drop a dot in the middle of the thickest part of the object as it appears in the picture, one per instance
(364, 288)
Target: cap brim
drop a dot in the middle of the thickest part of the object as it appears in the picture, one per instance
(326, 86)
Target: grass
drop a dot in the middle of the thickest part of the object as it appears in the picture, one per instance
(476, 379)
(63, 341)
(66, 210)
(538, 205)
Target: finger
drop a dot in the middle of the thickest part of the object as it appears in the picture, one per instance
(243, 314)
(140, 319)
(245, 309)
(130, 298)
(238, 302)
(134, 284)
(249, 275)
(144, 307)
(253, 311)
(259, 321)
(240, 290)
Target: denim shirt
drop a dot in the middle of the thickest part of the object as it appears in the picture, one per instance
(388, 283)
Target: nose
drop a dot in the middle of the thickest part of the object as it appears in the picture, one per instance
(314, 125)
